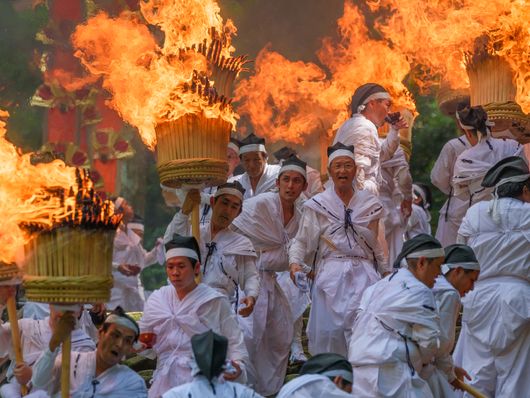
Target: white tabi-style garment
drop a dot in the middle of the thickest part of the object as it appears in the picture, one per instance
(472, 165)
(266, 183)
(119, 381)
(127, 250)
(312, 385)
(397, 186)
(494, 343)
(200, 387)
(396, 331)
(175, 321)
(418, 222)
(369, 152)
(34, 337)
(441, 372)
(348, 261)
(454, 208)
(269, 329)
(228, 261)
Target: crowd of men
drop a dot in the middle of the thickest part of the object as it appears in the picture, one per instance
(384, 294)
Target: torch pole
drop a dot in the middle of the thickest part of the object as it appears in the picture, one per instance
(195, 229)
(65, 367)
(470, 390)
(15, 335)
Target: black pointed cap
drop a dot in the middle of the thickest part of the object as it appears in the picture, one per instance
(210, 350)
(511, 166)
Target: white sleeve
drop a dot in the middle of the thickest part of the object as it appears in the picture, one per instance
(248, 275)
(5, 336)
(180, 224)
(45, 371)
(442, 171)
(404, 181)
(390, 144)
(448, 308)
(307, 238)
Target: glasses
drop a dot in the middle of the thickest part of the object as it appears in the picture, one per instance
(345, 166)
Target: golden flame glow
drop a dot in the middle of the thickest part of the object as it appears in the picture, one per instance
(152, 83)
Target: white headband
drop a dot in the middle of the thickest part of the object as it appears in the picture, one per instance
(494, 204)
(252, 148)
(136, 225)
(429, 253)
(422, 194)
(467, 265)
(375, 96)
(234, 147)
(293, 167)
(181, 252)
(123, 321)
(466, 127)
(228, 191)
(340, 152)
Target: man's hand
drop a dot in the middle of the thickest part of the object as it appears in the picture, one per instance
(233, 376)
(129, 269)
(22, 373)
(406, 207)
(98, 309)
(193, 198)
(249, 302)
(5, 293)
(400, 124)
(460, 374)
(294, 268)
(62, 329)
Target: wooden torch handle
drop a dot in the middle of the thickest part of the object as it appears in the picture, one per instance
(470, 390)
(65, 367)
(15, 334)
(195, 229)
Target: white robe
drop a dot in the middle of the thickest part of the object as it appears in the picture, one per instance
(269, 329)
(418, 222)
(397, 331)
(472, 165)
(232, 262)
(312, 385)
(348, 256)
(127, 250)
(266, 183)
(454, 208)
(119, 381)
(314, 182)
(175, 321)
(494, 344)
(200, 387)
(369, 150)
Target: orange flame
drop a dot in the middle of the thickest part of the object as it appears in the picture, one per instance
(289, 100)
(149, 83)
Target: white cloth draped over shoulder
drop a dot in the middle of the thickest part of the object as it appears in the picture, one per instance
(494, 344)
(266, 183)
(454, 208)
(312, 385)
(269, 329)
(347, 262)
(175, 321)
(200, 387)
(397, 330)
(369, 150)
(228, 260)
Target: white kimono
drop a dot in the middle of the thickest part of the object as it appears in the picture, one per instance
(397, 331)
(312, 385)
(347, 262)
(200, 387)
(127, 250)
(397, 186)
(228, 262)
(472, 165)
(175, 321)
(442, 369)
(119, 381)
(266, 183)
(454, 208)
(418, 222)
(314, 182)
(494, 344)
(369, 150)
(269, 329)
(34, 338)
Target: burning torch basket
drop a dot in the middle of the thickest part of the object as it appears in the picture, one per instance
(449, 98)
(69, 265)
(8, 271)
(192, 150)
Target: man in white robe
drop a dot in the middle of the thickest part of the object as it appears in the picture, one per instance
(259, 176)
(494, 343)
(420, 218)
(324, 375)
(176, 312)
(209, 353)
(460, 271)
(314, 180)
(96, 373)
(370, 105)
(34, 337)
(270, 220)
(340, 225)
(397, 329)
(229, 257)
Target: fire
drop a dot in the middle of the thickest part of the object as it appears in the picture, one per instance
(289, 100)
(152, 83)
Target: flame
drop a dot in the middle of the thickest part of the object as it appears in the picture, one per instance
(152, 83)
(289, 100)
